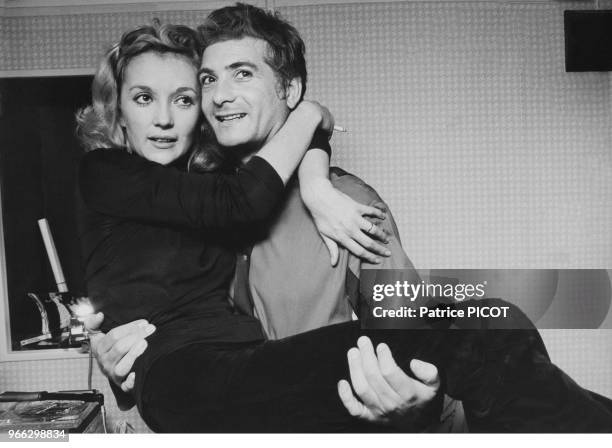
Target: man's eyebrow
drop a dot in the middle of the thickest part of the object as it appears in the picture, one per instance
(185, 89)
(205, 70)
(239, 64)
(232, 66)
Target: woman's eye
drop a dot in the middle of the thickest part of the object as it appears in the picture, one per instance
(143, 98)
(243, 74)
(206, 80)
(184, 101)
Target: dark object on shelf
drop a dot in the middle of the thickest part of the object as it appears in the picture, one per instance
(588, 41)
(73, 412)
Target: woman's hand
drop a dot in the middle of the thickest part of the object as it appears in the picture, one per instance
(340, 220)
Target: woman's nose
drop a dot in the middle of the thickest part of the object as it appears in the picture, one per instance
(164, 118)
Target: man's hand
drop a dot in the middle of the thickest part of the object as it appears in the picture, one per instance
(117, 350)
(386, 394)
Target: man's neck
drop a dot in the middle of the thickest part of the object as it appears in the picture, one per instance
(246, 151)
(242, 153)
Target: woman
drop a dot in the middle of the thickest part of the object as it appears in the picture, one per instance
(155, 246)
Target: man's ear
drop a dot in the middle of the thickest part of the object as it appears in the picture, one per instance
(293, 93)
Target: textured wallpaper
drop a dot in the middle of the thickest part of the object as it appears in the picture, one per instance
(74, 41)
(461, 115)
(463, 118)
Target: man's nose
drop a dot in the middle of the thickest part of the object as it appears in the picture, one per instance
(164, 117)
(224, 92)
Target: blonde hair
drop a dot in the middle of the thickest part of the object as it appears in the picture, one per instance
(98, 124)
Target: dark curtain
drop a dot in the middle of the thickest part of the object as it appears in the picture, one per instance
(38, 163)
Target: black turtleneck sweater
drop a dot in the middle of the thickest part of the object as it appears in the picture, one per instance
(150, 236)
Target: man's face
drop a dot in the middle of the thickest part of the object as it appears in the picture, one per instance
(241, 96)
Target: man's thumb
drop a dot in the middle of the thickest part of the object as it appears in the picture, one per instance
(425, 372)
(93, 321)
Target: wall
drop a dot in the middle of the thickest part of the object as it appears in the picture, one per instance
(460, 114)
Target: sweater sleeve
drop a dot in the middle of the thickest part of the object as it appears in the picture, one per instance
(124, 185)
(320, 141)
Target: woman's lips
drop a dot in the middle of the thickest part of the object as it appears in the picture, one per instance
(163, 142)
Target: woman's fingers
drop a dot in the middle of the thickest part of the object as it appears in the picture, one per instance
(359, 251)
(377, 211)
(332, 247)
(370, 245)
(362, 246)
(372, 229)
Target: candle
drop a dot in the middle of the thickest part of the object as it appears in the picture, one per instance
(52, 254)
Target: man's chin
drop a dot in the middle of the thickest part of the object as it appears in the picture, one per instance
(230, 142)
(239, 149)
(233, 141)
(226, 138)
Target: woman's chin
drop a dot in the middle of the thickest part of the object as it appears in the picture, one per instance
(162, 156)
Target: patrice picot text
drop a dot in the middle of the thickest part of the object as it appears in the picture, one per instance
(411, 292)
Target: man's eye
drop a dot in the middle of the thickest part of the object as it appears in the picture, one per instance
(243, 74)
(206, 80)
(184, 101)
(143, 98)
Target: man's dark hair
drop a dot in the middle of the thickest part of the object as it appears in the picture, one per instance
(285, 46)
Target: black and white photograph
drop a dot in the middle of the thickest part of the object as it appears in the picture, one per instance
(302, 216)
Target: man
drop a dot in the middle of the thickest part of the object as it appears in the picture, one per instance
(285, 278)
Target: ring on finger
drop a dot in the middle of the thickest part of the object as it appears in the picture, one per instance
(372, 225)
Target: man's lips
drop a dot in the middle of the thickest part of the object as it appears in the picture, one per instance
(230, 117)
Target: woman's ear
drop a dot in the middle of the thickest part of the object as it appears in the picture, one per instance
(293, 93)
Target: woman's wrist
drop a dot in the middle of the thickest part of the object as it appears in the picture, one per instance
(308, 114)
(313, 189)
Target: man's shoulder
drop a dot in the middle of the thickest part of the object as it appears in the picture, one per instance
(353, 186)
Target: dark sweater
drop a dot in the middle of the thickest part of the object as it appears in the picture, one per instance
(150, 236)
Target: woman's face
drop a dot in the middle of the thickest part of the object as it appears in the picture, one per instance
(159, 105)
